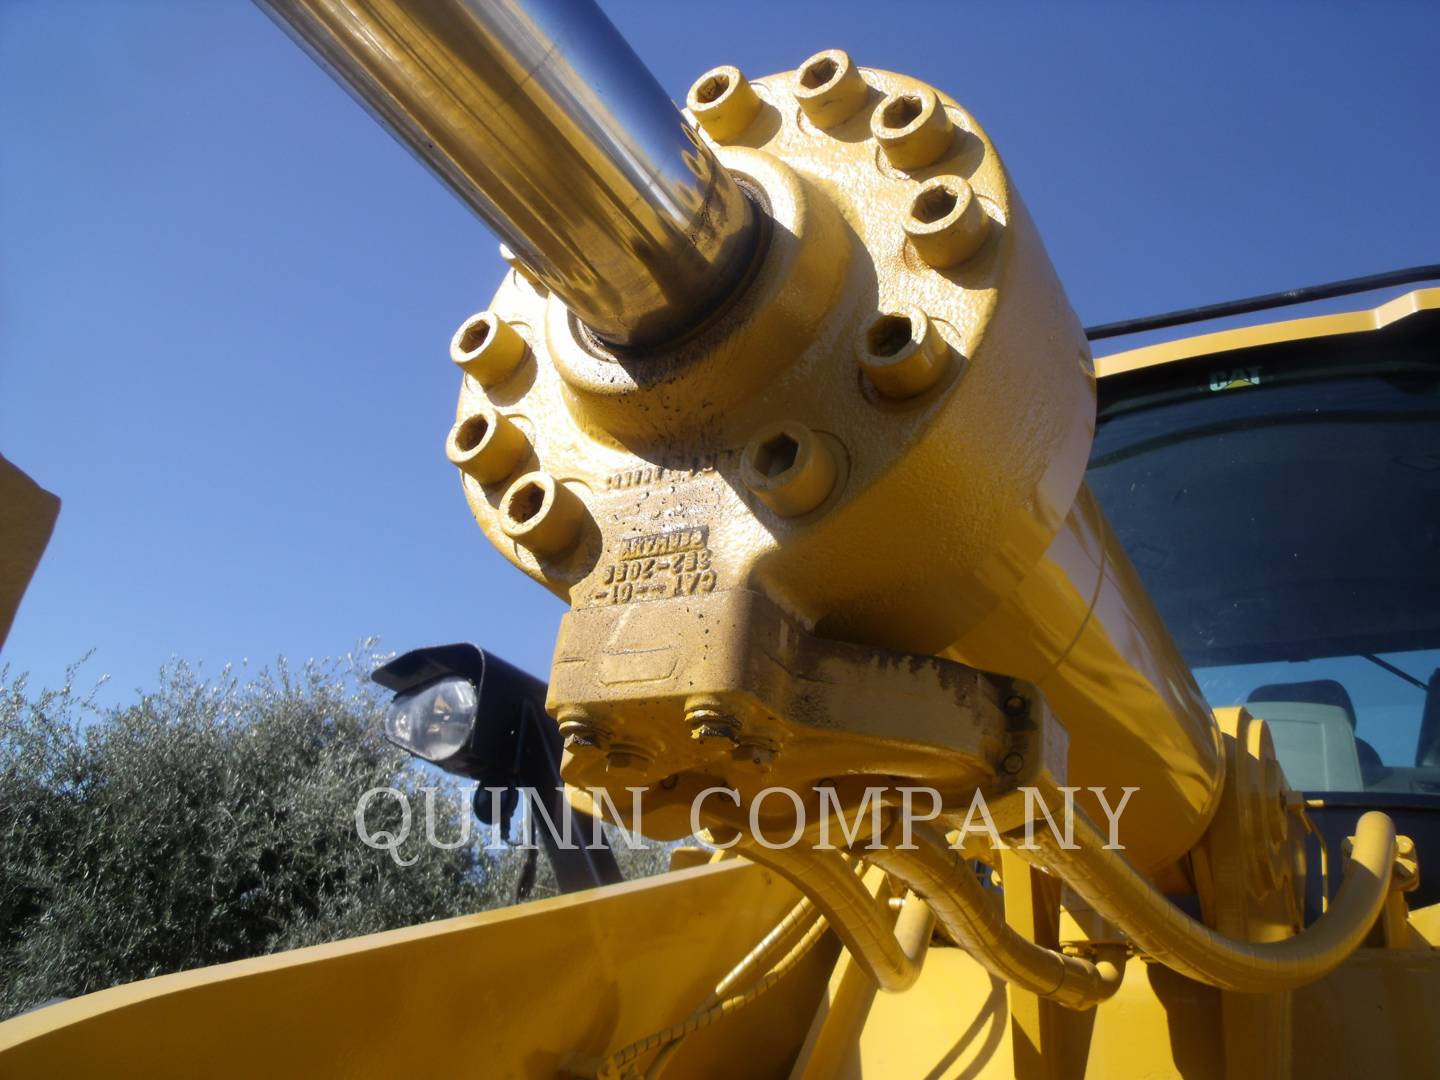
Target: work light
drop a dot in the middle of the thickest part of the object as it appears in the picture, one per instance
(472, 714)
(465, 710)
(434, 721)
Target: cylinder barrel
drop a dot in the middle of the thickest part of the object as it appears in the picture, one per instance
(541, 118)
(1081, 626)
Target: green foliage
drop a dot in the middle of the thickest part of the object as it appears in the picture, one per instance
(212, 820)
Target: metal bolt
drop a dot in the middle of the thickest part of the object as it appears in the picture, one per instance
(912, 128)
(1012, 764)
(723, 102)
(486, 445)
(542, 514)
(829, 88)
(1014, 705)
(946, 223)
(710, 720)
(706, 731)
(487, 347)
(901, 353)
(789, 467)
(581, 734)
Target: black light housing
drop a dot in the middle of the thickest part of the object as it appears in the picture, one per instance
(474, 715)
(441, 694)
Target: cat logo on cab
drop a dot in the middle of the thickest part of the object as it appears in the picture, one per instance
(1234, 379)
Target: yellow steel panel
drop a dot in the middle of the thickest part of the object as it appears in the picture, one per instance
(512, 992)
(1247, 337)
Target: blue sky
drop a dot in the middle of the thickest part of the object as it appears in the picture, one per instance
(226, 295)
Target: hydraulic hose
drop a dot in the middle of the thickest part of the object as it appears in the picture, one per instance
(1117, 891)
(801, 920)
(970, 915)
(856, 917)
(621, 1063)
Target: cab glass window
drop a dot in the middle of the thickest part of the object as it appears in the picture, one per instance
(1285, 515)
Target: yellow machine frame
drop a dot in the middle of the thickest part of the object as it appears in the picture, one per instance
(553, 987)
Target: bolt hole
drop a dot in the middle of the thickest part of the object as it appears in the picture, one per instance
(712, 89)
(776, 455)
(933, 204)
(472, 433)
(902, 111)
(475, 335)
(888, 335)
(819, 73)
(526, 502)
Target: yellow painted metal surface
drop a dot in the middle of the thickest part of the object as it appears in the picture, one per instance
(1247, 337)
(1369, 1018)
(883, 438)
(840, 533)
(656, 441)
(27, 517)
(1134, 715)
(828, 709)
(517, 992)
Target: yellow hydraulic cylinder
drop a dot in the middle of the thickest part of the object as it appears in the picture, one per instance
(1083, 629)
(885, 433)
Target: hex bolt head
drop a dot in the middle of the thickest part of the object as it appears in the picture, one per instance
(580, 732)
(829, 88)
(713, 732)
(486, 445)
(1015, 705)
(946, 223)
(723, 102)
(542, 514)
(901, 352)
(788, 467)
(578, 742)
(912, 128)
(710, 720)
(487, 347)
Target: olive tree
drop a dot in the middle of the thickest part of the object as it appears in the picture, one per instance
(208, 820)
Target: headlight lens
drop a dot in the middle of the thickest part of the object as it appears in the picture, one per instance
(435, 721)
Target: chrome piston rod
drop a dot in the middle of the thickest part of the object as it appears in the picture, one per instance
(540, 117)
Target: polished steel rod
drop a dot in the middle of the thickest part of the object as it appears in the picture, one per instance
(541, 118)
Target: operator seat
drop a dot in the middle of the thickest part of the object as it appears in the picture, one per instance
(1304, 719)
(1427, 750)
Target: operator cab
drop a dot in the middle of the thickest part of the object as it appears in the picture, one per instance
(1278, 489)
